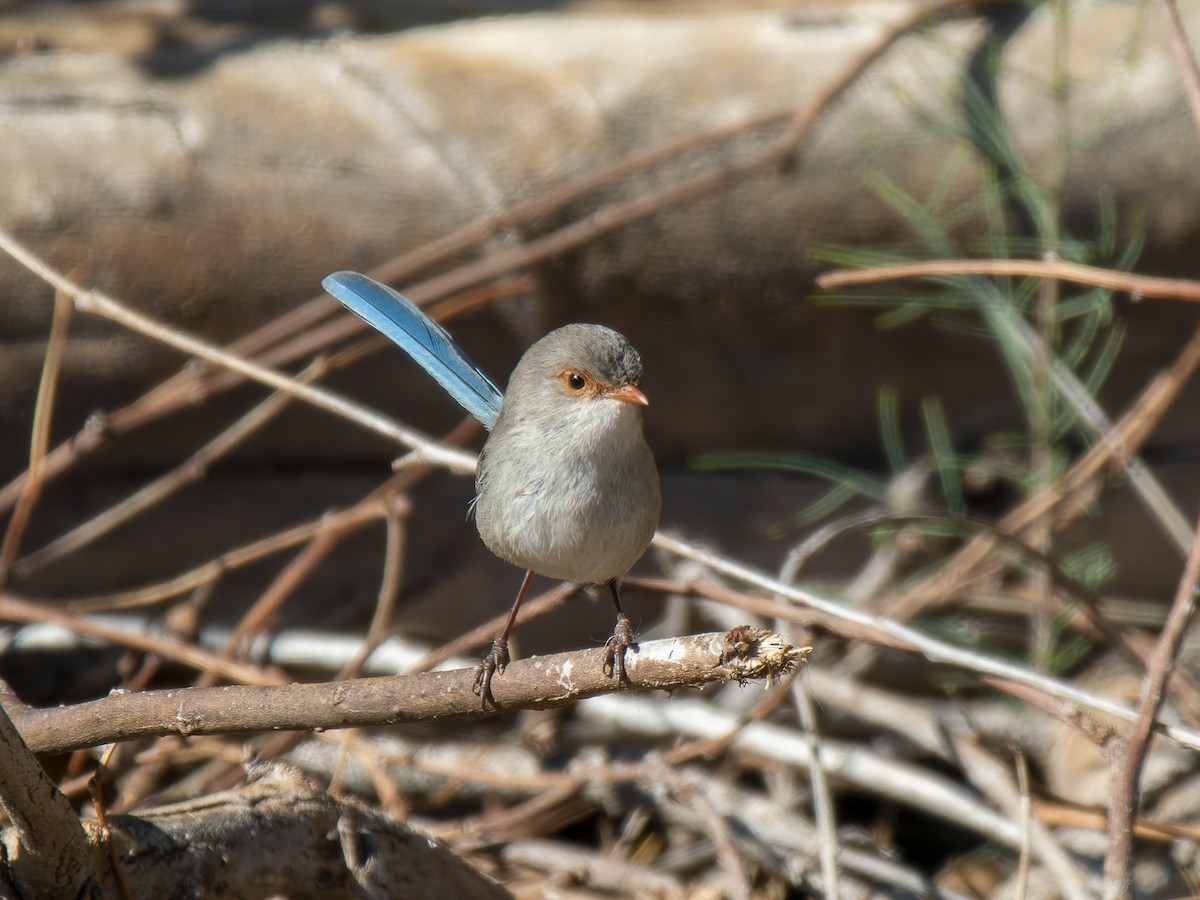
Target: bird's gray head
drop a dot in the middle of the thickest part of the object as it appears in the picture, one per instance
(581, 362)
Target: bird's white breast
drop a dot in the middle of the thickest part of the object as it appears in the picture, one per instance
(578, 500)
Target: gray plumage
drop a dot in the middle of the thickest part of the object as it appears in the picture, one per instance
(566, 484)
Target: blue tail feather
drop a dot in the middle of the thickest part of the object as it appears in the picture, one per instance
(395, 316)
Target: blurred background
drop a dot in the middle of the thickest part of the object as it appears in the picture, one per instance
(680, 171)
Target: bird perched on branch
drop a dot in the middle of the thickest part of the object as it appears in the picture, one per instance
(565, 486)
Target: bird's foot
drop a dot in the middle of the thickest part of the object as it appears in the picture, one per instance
(493, 663)
(622, 639)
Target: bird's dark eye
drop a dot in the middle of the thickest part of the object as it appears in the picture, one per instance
(576, 381)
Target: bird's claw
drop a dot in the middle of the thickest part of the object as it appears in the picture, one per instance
(622, 639)
(495, 662)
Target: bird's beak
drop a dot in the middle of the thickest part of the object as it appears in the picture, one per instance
(630, 393)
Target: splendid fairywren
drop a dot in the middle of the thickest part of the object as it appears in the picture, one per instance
(565, 486)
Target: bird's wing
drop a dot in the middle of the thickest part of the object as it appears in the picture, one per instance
(395, 316)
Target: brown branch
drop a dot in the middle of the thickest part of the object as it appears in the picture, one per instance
(1137, 286)
(1127, 766)
(534, 683)
(45, 850)
(801, 126)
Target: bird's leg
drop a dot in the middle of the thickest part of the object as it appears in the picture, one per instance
(497, 658)
(622, 639)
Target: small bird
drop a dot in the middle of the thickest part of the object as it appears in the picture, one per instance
(566, 485)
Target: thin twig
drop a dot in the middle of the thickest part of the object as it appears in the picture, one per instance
(815, 609)
(1075, 815)
(714, 746)
(1025, 816)
(768, 823)
(479, 636)
(560, 861)
(1185, 60)
(823, 810)
(1127, 766)
(822, 798)
(1137, 286)
(197, 381)
(17, 609)
(256, 618)
(398, 509)
(380, 501)
(1146, 486)
(737, 882)
(994, 780)
(349, 519)
(101, 305)
(191, 470)
(43, 413)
